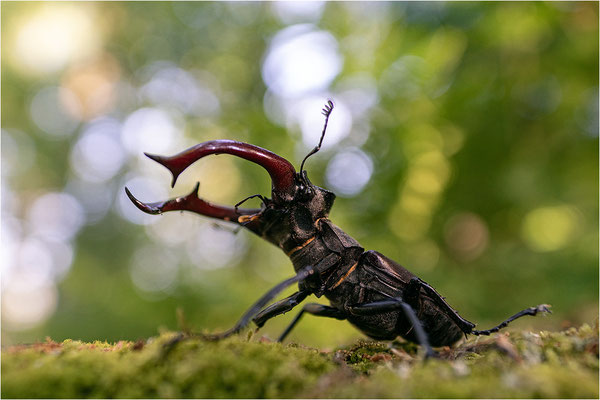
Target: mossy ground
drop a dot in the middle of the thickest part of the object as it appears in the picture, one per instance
(520, 365)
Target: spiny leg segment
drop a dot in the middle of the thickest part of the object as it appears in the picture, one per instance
(542, 308)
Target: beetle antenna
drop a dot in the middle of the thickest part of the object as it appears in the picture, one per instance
(326, 112)
(260, 196)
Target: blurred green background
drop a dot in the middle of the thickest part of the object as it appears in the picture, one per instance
(464, 145)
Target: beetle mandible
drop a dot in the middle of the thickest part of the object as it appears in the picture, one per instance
(375, 294)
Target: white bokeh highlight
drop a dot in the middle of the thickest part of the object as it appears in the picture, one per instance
(25, 304)
(150, 130)
(95, 198)
(54, 36)
(55, 216)
(290, 12)
(171, 86)
(98, 154)
(49, 114)
(154, 269)
(301, 60)
(348, 172)
(213, 246)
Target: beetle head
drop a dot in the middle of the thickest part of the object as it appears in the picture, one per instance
(291, 223)
(290, 215)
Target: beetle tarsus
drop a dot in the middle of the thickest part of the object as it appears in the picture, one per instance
(542, 308)
(302, 275)
(430, 354)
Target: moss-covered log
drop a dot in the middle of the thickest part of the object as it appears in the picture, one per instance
(544, 365)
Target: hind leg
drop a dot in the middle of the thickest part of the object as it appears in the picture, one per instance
(542, 308)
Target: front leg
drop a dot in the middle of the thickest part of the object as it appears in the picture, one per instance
(301, 276)
(252, 312)
(280, 307)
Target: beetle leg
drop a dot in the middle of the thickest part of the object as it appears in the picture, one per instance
(412, 292)
(260, 196)
(314, 309)
(263, 301)
(542, 308)
(280, 307)
(273, 310)
(394, 304)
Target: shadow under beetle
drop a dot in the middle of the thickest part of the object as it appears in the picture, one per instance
(378, 296)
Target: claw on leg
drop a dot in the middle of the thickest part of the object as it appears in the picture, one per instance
(542, 308)
(260, 303)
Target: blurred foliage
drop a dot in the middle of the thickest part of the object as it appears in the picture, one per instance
(483, 139)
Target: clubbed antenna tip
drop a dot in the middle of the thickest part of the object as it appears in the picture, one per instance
(328, 108)
(326, 112)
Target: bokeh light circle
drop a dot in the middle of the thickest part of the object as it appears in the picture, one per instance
(349, 171)
(301, 60)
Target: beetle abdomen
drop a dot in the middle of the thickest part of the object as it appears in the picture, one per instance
(441, 330)
(378, 279)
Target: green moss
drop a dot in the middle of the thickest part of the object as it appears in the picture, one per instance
(525, 365)
(544, 364)
(194, 368)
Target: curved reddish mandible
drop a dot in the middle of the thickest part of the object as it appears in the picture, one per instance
(281, 171)
(192, 202)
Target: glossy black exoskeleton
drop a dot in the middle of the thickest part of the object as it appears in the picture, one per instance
(378, 296)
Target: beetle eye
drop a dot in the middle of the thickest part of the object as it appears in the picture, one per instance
(305, 192)
(305, 188)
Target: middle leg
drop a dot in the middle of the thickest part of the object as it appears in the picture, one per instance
(314, 309)
(396, 304)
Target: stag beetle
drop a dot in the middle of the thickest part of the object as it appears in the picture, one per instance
(378, 296)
